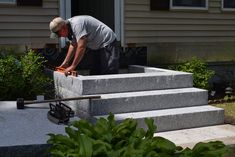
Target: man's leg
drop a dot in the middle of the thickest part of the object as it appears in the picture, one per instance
(110, 59)
(95, 68)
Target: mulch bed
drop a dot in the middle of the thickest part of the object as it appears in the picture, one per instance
(229, 120)
(220, 101)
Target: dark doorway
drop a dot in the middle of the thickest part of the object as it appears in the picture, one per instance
(100, 9)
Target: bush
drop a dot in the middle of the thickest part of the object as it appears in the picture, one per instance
(106, 138)
(22, 76)
(201, 73)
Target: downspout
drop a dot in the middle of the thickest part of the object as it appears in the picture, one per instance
(122, 24)
(65, 13)
(117, 19)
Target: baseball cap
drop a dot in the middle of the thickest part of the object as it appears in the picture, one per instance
(55, 25)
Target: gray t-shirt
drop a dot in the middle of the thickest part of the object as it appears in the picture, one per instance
(97, 33)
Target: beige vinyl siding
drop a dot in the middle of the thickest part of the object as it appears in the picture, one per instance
(143, 26)
(27, 25)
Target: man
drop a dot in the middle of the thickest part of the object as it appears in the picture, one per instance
(87, 32)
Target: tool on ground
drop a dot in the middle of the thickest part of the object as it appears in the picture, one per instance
(20, 104)
(59, 113)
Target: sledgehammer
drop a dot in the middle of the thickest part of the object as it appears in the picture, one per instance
(21, 103)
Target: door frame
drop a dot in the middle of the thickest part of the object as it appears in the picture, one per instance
(65, 12)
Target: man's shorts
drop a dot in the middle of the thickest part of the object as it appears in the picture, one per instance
(105, 60)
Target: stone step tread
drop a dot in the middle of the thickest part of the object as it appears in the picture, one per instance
(178, 118)
(164, 112)
(133, 75)
(151, 93)
(147, 100)
(100, 84)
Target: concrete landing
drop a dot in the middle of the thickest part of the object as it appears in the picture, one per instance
(24, 132)
(189, 137)
(29, 126)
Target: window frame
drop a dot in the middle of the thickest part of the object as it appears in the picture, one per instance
(188, 8)
(226, 9)
(9, 3)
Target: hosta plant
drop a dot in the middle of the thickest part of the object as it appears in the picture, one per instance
(106, 138)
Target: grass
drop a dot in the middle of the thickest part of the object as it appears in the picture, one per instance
(229, 109)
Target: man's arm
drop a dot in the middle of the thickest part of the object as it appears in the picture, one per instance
(68, 57)
(79, 53)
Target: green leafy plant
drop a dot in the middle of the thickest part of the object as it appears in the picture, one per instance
(106, 138)
(22, 76)
(11, 80)
(201, 73)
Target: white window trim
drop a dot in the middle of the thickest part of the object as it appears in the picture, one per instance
(187, 8)
(226, 9)
(14, 2)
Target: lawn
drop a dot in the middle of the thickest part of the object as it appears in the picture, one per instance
(229, 109)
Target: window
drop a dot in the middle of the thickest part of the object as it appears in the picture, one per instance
(29, 2)
(159, 4)
(228, 4)
(7, 1)
(189, 4)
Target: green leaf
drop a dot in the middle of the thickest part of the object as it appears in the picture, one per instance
(85, 146)
(151, 127)
(163, 145)
(72, 133)
(100, 147)
(84, 127)
(210, 149)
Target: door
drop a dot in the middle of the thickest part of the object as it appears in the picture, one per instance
(100, 9)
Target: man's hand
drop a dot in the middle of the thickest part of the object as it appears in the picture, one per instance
(68, 70)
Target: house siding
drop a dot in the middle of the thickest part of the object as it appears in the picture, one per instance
(143, 26)
(27, 25)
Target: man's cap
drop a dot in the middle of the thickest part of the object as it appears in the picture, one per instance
(55, 25)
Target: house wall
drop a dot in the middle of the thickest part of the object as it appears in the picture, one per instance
(175, 35)
(27, 25)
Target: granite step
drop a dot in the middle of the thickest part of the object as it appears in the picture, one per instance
(147, 100)
(130, 82)
(177, 118)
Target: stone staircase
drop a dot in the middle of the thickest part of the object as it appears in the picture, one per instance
(166, 96)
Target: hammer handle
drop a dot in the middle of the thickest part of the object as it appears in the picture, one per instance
(65, 99)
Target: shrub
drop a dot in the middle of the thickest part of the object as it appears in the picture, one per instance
(11, 80)
(22, 76)
(201, 73)
(106, 138)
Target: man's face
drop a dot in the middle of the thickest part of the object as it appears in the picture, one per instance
(63, 32)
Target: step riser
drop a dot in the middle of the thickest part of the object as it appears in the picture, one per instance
(184, 121)
(132, 84)
(136, 103)
(144, 103)
(85, 85)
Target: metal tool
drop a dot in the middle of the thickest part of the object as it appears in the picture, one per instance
(59, 113)
(59, 69)
(20, 104)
